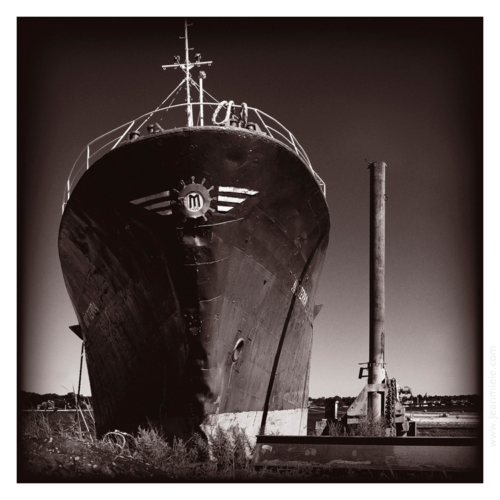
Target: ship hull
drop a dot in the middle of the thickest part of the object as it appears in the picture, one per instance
(191, 322)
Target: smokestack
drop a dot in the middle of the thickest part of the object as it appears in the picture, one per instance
(376, 365)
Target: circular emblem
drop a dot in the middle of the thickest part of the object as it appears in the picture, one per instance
(195, 199)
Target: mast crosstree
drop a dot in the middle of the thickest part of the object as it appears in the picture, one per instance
(186, 67)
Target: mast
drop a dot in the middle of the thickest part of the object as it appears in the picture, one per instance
(188, 76)
(186, 67)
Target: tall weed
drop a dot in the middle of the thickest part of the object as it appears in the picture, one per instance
(230, 449)
(36, 425)
(368, 426)
(150, 447)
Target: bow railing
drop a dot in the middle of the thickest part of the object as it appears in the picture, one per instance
(254, 120)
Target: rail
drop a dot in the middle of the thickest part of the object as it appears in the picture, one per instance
(110, 140)
(356, 452)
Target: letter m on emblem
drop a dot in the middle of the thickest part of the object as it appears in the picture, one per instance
(194, 201)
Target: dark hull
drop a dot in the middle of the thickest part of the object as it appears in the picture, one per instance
(163, 299)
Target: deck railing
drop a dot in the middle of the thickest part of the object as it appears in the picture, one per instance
(110, 140)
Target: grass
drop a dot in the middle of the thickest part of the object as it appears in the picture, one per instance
(230, 449)
(223, 455)
(37, 425)
(150, 447)
(368, 426)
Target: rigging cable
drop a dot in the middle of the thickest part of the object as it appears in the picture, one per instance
(171, 102)
(153, 112)
(205, 92)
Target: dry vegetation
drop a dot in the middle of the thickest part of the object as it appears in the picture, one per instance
(55, 451)
(369, 426)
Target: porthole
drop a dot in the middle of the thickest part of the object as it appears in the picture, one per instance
(237, 349)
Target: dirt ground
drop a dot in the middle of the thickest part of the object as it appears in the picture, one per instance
(60, 459)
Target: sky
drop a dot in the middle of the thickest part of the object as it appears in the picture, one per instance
(407, 91)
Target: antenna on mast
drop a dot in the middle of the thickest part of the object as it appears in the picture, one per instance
(186, 67)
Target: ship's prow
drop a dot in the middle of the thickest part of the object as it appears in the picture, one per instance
(190, 321)
(192, 257)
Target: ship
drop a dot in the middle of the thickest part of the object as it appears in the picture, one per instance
(192, 255)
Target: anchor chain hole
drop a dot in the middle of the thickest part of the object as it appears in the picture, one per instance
(237, 349)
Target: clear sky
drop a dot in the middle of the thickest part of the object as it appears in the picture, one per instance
(405, 91)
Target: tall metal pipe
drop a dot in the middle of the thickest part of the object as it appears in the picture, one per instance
(376, 365)
(203, 75)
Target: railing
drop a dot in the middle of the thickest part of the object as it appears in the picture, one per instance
(110, 140)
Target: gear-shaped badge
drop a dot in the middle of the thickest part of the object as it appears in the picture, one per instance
(194, 199)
